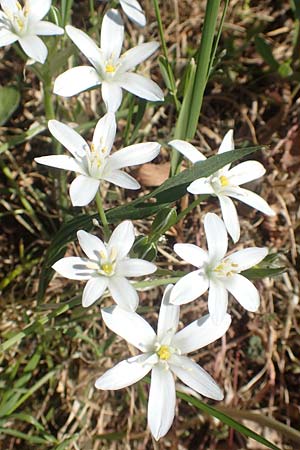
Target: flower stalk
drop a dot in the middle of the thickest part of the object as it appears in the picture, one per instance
(102, 216)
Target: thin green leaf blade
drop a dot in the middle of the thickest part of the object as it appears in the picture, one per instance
(9, 101)
(227, 420)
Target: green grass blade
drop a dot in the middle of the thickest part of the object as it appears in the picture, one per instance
(203, 62)
(227, 420)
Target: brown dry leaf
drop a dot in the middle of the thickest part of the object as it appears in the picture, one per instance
(291, 155)
(153, 174)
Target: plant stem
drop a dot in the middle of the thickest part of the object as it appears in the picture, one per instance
(203, 62)
(102, 216)
(48, 105)
(165, 52)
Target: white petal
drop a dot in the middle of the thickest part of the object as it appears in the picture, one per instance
(122, 179)
(245, 172)
(195, 377)
(201, 186)
(251, 199)
(9, 6)
(200, 333)
(192, 254)
(189, 287)
(44, 28)
(123, 293)
(74, 268)
(130, 326)
(244, 291)
(230, 217)
(135, 55)
(133, 10)
(60, 162)
(122, 239)
(134, 155)
(217, 301)
(248, 257)
(87, 46)
(91, 245)
(227, 143)
(112, 34)
(69, 138)
(162, 401)
(83, 190)
(216, 236)
(93, 290)
(124, 374)
(7, 37)
(112, 96)
(135, 267)
(168, 318)
(34, 47)
(188, 150)
(105, 132)
(141, 86)
(38, 9)
(76, 80)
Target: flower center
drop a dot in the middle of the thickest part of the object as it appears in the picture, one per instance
(107, 263)
(19, 19)
(107, 268)
(164, 352)
(110, 68)
(226, 268)
(224, 181)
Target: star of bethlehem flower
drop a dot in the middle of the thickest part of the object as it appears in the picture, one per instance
(134, 11)
(225, 183)
(110, 70)
(23, 24)
(94, 162)
(163, 353)
(217, 272)
(107, 266)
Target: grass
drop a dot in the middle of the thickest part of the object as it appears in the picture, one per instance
(52, 350)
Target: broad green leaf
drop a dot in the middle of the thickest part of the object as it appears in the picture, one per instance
(9, 101)
(227, 420)
(257, 273)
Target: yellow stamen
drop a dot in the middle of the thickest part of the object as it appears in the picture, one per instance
(107, 268)
(110, 68)
(19, 6)
(164, 352)
(224, 181)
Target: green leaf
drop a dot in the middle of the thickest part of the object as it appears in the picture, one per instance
(165, 218)
(9, 101)
(265, 51)
(285, 70)
(258, 273)
(227, 420)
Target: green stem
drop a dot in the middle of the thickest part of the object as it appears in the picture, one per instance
(203, 63)
(102, 216)
(165, 52)
(189, 208)
(48, 104)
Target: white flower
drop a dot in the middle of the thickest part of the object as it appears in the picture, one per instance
(95, 163)
(163, 353)
(217, 272)
(225, 183)
(134, 11)
(112, 71)
(23, 24)
(107, 265)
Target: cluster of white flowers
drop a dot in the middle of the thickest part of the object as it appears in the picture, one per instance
(107, 265)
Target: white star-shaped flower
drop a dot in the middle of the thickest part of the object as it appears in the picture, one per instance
(225, 183)
(110, 70)
(107, 266)
(95, 163)
(217, 272)
(164, 354)
(23, 24)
